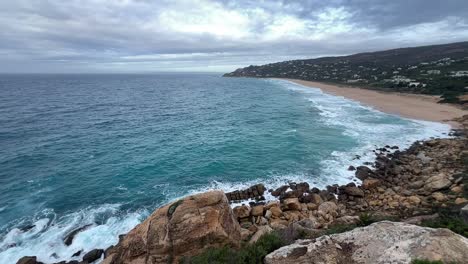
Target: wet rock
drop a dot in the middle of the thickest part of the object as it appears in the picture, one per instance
(68, 240)
(279, 190)
(28, 260)
(363, 172)
(93, 255)
(354, 191)
(351, 168)
(254, 192)
(76, 254)
(26, 228)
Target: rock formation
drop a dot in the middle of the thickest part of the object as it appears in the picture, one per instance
(379, 243)
(183, 228)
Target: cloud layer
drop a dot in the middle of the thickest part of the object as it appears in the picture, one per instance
(202, 35)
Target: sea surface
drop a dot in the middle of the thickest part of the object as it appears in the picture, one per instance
(106, 150)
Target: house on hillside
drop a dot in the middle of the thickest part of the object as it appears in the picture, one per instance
(459, 73)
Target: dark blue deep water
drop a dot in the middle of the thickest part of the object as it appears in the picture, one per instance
(108, 149)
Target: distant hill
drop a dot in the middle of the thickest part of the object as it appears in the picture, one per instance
(437, 69)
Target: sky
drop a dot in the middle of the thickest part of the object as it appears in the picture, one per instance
(98, 36)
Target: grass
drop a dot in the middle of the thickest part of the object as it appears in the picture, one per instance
(424, 261)
(248, 253)
(450, 220)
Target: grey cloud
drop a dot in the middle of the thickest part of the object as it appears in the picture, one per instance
(108, 35)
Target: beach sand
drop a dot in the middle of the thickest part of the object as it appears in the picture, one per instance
(414, 106)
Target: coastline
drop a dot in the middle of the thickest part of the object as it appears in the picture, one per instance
(414, 106)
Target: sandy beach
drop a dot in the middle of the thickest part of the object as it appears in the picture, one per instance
(421, 107)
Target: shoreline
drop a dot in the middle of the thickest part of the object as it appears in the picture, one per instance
(413, 106)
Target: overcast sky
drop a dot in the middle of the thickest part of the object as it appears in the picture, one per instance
(198, 35)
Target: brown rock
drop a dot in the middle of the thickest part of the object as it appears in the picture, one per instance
(260, 232)
(257, 210)
(292, 204)
(437, 182)
(346, 220)
(459, 201)
(278, 223)
(414, 200)
(276, 212)
(183, 228)
(438, 196)
(457, 189)
(242, 211)
(328, 208)
(245, 234)
(354, 191)
(370, 183)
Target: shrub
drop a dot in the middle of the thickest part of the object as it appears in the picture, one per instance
(248, 253)
(452, 222)
(366, 219)
(422, 261)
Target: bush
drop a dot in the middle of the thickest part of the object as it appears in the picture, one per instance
(366, 219)
(248, 253)
(452, 222)
(422, 261)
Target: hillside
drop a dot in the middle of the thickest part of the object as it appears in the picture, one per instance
(436, 70)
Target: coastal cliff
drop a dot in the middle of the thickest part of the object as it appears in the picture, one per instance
(440, 70)
(425, 184)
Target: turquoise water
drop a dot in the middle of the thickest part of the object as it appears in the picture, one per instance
(108, 149)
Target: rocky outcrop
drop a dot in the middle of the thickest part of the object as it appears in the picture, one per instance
(184, 228)
(382, 242)
(254, 192)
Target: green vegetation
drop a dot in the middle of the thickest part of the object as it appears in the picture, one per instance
(435, 70)
(422, 261)
(366, 219)
(248, 253)
(336, 229)
(451, 221)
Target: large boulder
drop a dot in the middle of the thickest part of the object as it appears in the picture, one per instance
(363, 172)
(28, 260)
(379, 243)
(437, 182)
(184, 228)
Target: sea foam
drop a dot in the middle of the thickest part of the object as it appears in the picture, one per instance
(368, 127)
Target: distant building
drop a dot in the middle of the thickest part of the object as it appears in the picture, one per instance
(459, 73)
(433, 72)
(356, 80)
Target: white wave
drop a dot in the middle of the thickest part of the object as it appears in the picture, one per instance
(45, 239)
(367, 126)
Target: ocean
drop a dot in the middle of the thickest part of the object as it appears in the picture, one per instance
(106, 150)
